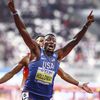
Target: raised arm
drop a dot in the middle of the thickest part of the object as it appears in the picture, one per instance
(71, 80)
(21, 27)
(66, 50)
(14, 71)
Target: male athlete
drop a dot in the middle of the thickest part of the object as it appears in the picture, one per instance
(24, 64)
(28, 95)
(43, 69)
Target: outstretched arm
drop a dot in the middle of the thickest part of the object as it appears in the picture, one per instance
(66, 50)
(71, 80)
(22, 29)
(10, 74)
(14, 71)
(67, 77)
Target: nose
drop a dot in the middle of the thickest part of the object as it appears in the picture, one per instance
(51, 42)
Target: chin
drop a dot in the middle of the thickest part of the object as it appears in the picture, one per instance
(51, 51)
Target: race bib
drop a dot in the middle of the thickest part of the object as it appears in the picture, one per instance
(44, 75)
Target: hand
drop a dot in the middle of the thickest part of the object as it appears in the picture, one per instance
(86, 88)
(90, 18)
(11, 6)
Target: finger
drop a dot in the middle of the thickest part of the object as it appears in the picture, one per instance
(89, 90)
(91, 13)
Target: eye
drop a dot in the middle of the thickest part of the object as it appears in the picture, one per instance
(41, 40)
(47, 39)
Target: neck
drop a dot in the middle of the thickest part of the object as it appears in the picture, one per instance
(48, 53)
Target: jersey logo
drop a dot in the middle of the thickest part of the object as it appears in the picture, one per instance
(25, 96)
(48, 65)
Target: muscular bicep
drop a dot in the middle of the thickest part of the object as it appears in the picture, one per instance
(24, 33)
(66, 49)
(33, 46)
(28, 40)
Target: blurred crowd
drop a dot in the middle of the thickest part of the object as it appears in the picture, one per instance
(60, 17)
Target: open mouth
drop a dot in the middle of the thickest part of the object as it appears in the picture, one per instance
(51, 46)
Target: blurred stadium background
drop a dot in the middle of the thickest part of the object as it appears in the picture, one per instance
(64, 18)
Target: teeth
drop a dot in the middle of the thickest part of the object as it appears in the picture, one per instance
(50, 47)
